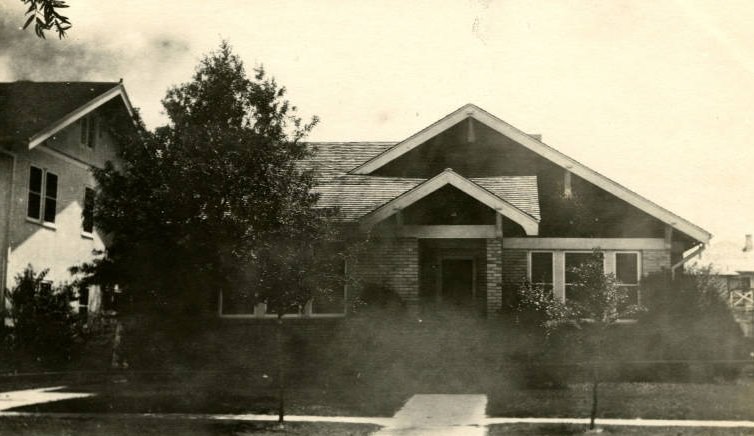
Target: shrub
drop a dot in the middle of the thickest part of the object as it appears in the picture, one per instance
(44, 328)
(689, 319)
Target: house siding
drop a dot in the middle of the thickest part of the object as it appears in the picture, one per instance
(653, 261)
(393, 263)
(62, 245)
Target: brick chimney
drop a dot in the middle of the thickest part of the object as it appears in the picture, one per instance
(748, 245)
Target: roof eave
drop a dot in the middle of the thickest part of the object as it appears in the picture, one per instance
(75, 115)
(544, 150)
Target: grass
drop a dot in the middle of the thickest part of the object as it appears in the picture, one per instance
(569, 429)
(218, 395)
(630, 400)
(146, 427)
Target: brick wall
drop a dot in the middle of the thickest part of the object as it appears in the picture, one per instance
(654, 261)
(390, 262)
(494, 275)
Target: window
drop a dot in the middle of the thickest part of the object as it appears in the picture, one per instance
(83, 303)
(576, 260)
(87, 213)
(627, 274)
(541, 269)
(43, 195)
(34, 205)
(89, 130)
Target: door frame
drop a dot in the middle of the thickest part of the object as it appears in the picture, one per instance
(442, 258)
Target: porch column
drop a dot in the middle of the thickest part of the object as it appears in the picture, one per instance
(494, 276)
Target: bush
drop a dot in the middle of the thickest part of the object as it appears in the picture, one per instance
(44, 327)
(689, 319)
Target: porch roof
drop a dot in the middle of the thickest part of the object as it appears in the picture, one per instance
(356, 195)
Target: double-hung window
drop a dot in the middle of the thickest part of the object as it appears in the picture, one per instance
(627, 273)
(43, 195)
(540, 273)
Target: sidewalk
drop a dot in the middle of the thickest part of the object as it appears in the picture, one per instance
(440, 415)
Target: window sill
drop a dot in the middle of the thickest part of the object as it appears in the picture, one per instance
(44, 224)
(86, 235)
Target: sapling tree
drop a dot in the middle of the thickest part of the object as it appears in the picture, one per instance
(597, 301)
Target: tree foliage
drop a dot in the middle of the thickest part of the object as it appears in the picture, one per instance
(215, 200)
(45, 15)
(44, 325)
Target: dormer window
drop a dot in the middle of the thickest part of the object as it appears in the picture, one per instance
(89, 126)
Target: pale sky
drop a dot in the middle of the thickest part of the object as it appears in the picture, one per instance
(657, 95)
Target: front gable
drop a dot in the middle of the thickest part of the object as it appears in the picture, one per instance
(476, 144)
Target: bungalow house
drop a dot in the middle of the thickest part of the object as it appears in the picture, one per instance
(469, 204)
(51, 135)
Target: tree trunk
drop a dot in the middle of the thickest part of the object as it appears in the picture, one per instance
(595, 382)
(281, 371)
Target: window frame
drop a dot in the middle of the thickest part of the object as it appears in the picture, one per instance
(530, 268)
(44, 196)
(639, 275)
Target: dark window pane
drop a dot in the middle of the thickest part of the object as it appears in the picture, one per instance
(626, 268)
(574, 295)
(32, 210)
(51, 189)
(87, 214)
(50, 210)
(84, 297)
(541, 267)
(575, 260)
(35, 180)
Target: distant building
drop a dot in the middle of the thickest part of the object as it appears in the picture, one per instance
(51, 135)
(734, 264)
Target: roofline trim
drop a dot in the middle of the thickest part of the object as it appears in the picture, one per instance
(544, 150)
(450, 177)
(72, 117)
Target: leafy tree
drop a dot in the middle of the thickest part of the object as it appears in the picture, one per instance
(44, 326)
(215, 201)
(45, 16)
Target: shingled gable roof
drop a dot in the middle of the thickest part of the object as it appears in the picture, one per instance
(357, 195)
(34, 111)
(537, 146)
(450, 177)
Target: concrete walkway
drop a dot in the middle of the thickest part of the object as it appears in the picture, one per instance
(11, 399)
(444, 415)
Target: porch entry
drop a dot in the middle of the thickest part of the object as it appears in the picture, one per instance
(452, 275)
(458, 281)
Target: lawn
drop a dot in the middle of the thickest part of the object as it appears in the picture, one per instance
(148, 426)
(221, 395)
(630, 400)
(569, 429)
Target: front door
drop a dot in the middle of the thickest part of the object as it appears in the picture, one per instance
(457, 282)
